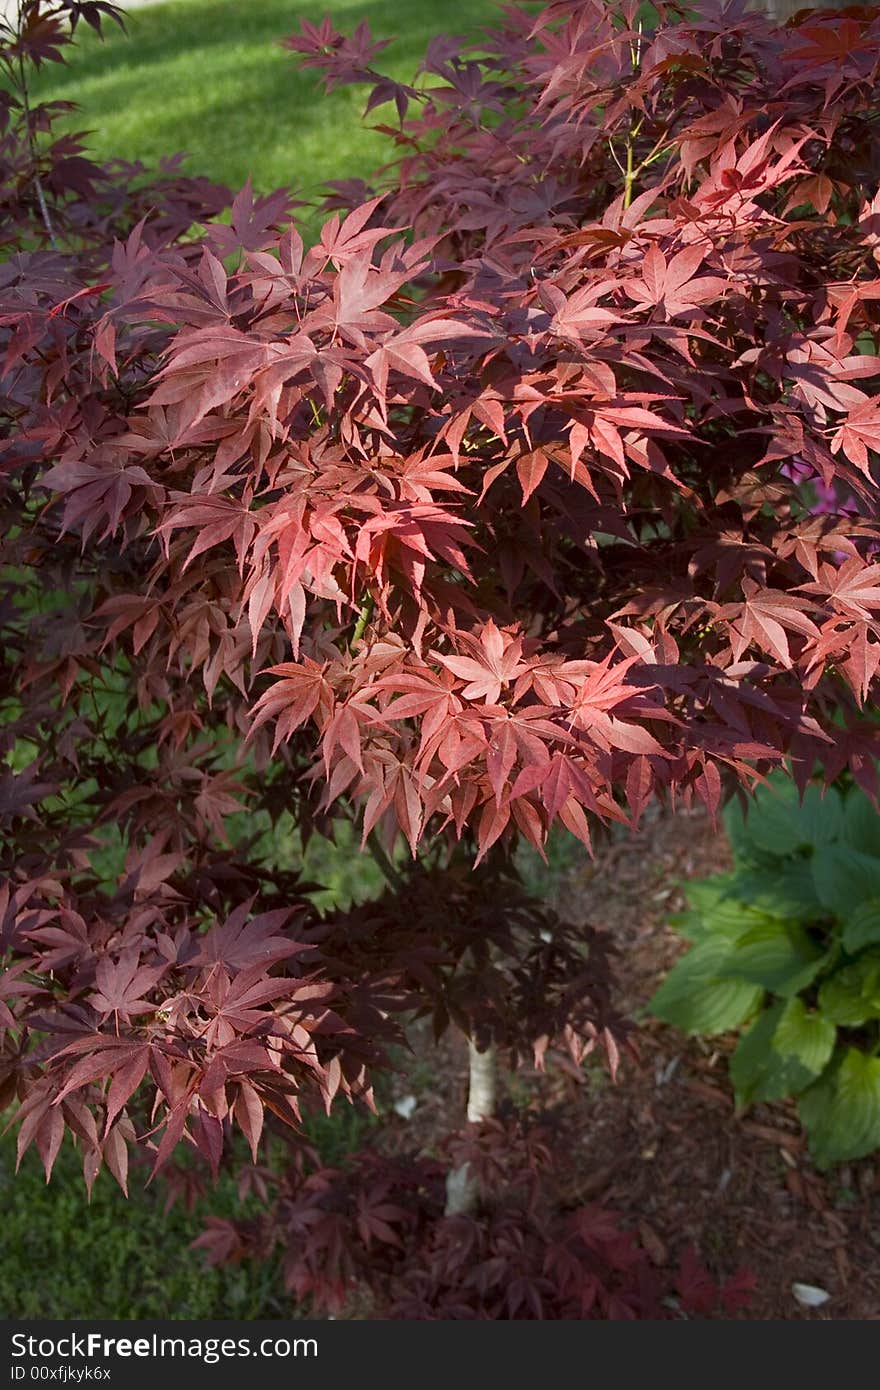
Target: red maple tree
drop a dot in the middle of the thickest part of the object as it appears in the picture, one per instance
(494, 508)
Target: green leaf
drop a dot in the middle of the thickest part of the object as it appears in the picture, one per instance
(861, 823)
(697, 999)
(757, 1070)
(746, 853)
(784, 889)
(721, 906)
(804, 1036)
(704, 894)
(779, 956)
(851, 996)
(687, 924)
(818, 820)
(732, 920)
(841, 1112)
(845, 878)
(863, 927)
(778, 823)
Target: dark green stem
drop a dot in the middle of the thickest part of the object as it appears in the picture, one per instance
(366, 612)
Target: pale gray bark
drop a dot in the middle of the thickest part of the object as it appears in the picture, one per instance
(482, 1082)
(462, 1189)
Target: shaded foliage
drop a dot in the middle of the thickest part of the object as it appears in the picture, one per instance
(378, 1226)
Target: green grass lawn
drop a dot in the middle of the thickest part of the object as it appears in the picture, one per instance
(128, 1258)
(116, 1258)
(210, 78)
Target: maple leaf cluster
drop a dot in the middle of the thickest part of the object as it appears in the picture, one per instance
(521, 498)
(491, 510)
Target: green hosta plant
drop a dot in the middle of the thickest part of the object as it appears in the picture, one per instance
(786, 947)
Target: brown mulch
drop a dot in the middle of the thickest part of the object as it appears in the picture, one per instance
(663, 1147)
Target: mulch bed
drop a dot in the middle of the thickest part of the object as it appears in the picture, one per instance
(664, 1147)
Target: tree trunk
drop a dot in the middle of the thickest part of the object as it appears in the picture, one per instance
(482, 1080)
(462, 1190)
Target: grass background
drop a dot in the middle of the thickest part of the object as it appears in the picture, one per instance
(209, 77)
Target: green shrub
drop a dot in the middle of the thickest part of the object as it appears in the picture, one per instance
(787, 946)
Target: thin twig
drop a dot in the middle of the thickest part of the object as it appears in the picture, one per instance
(364, 616)
(32, 144)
